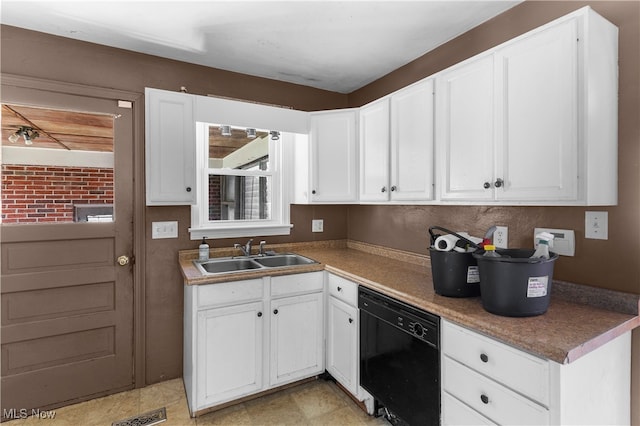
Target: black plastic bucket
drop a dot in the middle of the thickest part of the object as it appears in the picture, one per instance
(515, 285)
(454, 274)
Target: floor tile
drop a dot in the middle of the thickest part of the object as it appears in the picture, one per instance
(318, 402)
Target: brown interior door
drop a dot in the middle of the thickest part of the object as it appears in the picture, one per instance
(67, 303)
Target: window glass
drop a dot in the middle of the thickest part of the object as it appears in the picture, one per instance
(57, 166)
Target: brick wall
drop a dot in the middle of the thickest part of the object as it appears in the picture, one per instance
(47, 193)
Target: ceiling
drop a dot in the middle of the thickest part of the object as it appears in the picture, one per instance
(333, 45)
(67, 130)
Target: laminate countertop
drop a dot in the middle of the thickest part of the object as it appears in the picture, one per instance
(574, 324)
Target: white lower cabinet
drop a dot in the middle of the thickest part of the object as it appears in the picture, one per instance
(342, 343)
(229, 354)
(343, 337)
(245, 337)
(488, 382)
(297, 338)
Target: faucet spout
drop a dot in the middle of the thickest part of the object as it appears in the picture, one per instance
(245, 249)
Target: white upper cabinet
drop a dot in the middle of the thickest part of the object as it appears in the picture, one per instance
(533, 121)
(412, 143)
(332, 160)
(396, 146)
(170, 148)
(374, 151)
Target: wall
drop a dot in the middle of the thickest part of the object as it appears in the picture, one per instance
(38, 194)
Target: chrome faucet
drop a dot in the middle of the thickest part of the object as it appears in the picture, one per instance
(246, 249)
(261, 251)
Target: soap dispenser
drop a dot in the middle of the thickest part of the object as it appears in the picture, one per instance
(203, 250)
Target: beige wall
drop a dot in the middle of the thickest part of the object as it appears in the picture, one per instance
(610, 264)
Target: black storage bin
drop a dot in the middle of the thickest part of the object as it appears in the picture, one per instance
(454, 274)
(515, 285)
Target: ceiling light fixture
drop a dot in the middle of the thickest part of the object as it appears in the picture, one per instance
(251, 133)
(275, 135)
(28, 133)
(225, 130)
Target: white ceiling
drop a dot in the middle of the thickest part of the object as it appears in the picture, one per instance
(333, 45)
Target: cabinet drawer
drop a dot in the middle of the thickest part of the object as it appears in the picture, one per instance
(516, 369)
(230, 293)
(287, 285)
(492, 400)
(343, 289)
(455, 412)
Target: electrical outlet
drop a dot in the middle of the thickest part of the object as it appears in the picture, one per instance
(317, 225)
(501, 237)
(164, 230)
(596, 225)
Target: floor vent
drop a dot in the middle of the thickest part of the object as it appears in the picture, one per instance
(147, 419)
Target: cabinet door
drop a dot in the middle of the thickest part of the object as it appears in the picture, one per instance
(229, 353)
(412, 143)
(297, 338)
(538, 109)
(342, 343)
(374, 151)
(465, 130)
(333, 156)
(170, 148)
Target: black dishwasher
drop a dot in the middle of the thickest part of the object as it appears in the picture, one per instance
(400, 358)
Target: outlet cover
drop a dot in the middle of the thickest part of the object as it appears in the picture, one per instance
(501, 237)
(564, 240)
(317, 225)
(596, 225)
(164, 230)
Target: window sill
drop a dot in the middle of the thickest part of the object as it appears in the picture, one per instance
(251, 230)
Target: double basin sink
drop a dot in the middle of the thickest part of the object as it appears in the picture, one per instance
(225, 265)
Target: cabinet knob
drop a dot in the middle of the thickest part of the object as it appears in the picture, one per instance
(484, 399)
(339, 288)
(484, 357)
(188, 189)
(313, 191)
(393, 188)
(487, 185)
(259, 314)
(498, 183)
(275, 312)
(350, 320)
(384, 189)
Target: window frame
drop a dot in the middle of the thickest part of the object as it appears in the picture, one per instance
(280, 162)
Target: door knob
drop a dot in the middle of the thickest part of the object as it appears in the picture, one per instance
(123, 260)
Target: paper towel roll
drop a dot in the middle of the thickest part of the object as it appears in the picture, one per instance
(445, 242)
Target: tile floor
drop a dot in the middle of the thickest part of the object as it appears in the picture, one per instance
(315, 403)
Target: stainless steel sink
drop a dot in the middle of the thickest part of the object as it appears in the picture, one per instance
(226, 265)
(287, 259)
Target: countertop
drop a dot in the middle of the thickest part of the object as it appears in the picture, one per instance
(567, 331)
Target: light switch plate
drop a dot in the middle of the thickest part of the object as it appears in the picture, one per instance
(564, 240)
(596, 225)
(317, 225)
(164, 230)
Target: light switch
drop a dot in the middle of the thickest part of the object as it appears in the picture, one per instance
(164, 230)
(564, 240)
(596, 225)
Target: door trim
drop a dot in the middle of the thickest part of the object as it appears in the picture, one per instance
(139, 218)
